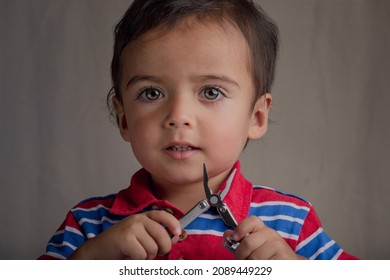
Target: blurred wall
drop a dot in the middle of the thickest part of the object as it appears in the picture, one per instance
(328, 141)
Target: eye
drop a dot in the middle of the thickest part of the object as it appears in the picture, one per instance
(212, 93)
(150, 94)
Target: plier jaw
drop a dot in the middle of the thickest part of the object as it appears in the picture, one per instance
(215, 200)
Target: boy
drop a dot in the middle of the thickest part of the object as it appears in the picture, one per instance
(191, 83)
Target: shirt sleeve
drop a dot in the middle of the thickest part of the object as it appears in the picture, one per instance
(65, 241)
(314, 243)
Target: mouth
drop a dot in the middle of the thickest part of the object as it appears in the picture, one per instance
(181, 151)
(181, 148)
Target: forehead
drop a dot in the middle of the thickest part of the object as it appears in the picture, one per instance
(190, 23)
(215, 38)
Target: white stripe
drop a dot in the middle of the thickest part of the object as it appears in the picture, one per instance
(322, 249)
(70, 229)
(91, 235)
(58, 232)
(63, 244)
(310, 238)
(209, 216)
(211, 232)
(73, 230)
(288, 235)
(263, 187)
(335, 257)
(219, 233)
(96, 222)
(55, 255)
(279, 203)
(281, 217)
(97, 207)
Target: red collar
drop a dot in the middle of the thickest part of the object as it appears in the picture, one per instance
(139, 196)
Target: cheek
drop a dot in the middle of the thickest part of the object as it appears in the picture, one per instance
(142, 138)
(228, 132)
(140, 128)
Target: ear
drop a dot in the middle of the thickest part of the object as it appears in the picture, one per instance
(122, 122)
(259, 119)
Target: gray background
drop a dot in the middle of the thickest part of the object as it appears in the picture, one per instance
(329, 141)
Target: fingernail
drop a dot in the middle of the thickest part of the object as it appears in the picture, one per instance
(236, 237)
(178, 231)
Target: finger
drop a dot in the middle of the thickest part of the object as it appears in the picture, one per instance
(136, 251)
(160, 234)
(276, 249)
(271, 251)
(147, 235)
(150, 245)
(228, 234)
(248, 226)
(146, 240)
(175, 239)
(265, 244)
(166, 219)
(160, 237)
(249, 244)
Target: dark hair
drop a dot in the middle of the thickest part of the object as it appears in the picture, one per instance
(260, 32)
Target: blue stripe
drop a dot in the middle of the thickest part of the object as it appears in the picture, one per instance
(96, 215)
(96, 228)
(329, 253)
(72, 238)
(314, 245)
(289, 227)
(67, 236)
(284, 226)
(64, 250)
(272, 210)
(93, 215)
(203, 223)
(58, 238)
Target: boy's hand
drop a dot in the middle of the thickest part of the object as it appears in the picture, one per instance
(259, 242)
(139, 236)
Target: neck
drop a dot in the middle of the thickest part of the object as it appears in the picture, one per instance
(185, 196)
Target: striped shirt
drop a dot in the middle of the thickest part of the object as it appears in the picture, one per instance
(293, 218)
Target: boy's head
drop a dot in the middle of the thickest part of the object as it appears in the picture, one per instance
(190, 84)
(259, 31)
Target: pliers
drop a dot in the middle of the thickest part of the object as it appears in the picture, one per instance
(215, 201)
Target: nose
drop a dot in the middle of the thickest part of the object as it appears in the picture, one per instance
(179, 113)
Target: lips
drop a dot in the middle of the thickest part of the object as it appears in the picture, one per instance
(181, 151)
(180, 148)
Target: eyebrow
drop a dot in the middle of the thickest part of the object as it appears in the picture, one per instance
(221, 78)
(140, 78)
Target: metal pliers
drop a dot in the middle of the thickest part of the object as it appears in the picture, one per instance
(214, 200)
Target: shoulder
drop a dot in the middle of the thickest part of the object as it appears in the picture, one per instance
(93, 208)
(283, 212)
(263, 194)
(269, 202)
(94, 203)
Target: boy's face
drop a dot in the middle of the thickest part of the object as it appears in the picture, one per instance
(187, 100)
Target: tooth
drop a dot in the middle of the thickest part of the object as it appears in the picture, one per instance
(181, 148)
